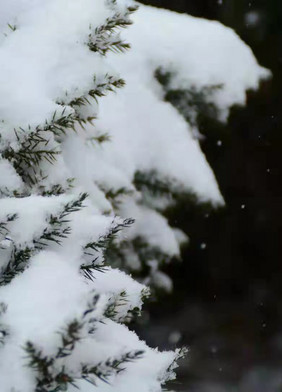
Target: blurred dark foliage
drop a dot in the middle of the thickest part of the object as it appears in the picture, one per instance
(231, 275)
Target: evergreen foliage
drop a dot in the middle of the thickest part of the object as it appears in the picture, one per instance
(52, 372)
(192, 103)
(77, 209)
(56, 231)
(103, 243)
(32, 154)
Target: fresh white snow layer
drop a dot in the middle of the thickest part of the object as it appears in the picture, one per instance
(45, 63)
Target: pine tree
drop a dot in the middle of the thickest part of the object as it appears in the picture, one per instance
(83, 192)
(181, 76)
(64, 309)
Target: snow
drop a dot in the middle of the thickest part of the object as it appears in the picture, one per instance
(32, 215)
(161, 139)
(43, 54)
(9, 179)
(45, 63)
(213, 51)
(144, 139)
(139, 375)
(153, 227)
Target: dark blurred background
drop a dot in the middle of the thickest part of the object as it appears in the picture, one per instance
(227, 302)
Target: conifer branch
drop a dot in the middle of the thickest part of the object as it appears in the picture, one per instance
(154, 186)
(56, 231)
(70, 336)
(192, 103)
(50, 380)
(100, 89)
(88, 269)
(115, 195)
(104, 370)
(4, 224)
(32, 151)
(180, 353)
(117, 301)
(33, 146)
(105, 38)
(52, 374)
(111, 311)
(147, 252)
(153, 183)
(103, 243)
